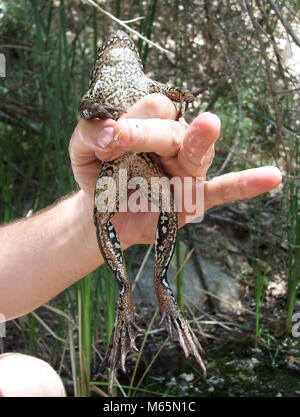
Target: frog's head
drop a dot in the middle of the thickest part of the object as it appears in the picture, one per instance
(118, 48)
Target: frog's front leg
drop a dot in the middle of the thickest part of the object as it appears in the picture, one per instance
(125, 330)
(184, 98)
(90, 107)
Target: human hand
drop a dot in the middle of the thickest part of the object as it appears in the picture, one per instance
(149, 126)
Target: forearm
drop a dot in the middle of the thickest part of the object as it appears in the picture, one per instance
(42, 255)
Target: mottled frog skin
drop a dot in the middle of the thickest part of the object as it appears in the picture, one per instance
(117, 82)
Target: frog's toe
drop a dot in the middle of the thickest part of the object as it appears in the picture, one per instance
(122, 341)
(178, 328)
(95, 109)
(90, 109)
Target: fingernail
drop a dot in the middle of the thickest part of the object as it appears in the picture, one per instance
(106, 137)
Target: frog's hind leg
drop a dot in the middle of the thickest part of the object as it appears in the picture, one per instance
(173, 320)
(176, 325)
(125, 330)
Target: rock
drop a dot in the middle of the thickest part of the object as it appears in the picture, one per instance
(144, 291)
(217, 282)
(222, 285)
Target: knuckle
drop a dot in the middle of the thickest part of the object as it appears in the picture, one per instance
(242, 188)
(175, 139)
(71, 147)
(158, 105)
(223, 192)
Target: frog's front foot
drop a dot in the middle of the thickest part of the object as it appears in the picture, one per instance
(179, 329)
(122, 341)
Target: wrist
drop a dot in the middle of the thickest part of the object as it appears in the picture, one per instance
(79, 217)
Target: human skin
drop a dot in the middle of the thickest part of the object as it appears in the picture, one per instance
(26, 376)
(42, 255)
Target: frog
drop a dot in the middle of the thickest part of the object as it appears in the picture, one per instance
(117, 82)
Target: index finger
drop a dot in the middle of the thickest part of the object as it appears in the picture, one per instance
(155, 105)
(98, 137)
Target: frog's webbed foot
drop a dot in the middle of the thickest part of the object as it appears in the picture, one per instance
(179, 329)
(122, 341)
(90, 108)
